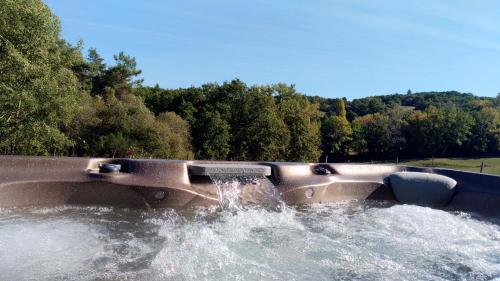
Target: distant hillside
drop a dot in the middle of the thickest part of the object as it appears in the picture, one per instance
(418, 101)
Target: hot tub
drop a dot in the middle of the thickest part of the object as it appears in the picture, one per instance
(78, 219)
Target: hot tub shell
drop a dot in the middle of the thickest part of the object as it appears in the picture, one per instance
(51, 181)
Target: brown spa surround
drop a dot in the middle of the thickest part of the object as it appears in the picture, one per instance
(51, 181)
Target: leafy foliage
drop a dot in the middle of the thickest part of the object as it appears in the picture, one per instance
(337, 135)
(55, 101)
(38, 90)
(262, 132)
(303, 121)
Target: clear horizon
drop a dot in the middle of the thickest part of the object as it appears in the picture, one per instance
(332, 49)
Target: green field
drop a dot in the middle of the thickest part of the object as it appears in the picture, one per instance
(491, 165)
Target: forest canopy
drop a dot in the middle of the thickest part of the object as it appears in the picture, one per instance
(57, 99)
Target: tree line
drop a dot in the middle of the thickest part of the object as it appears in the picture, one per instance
(54, 100)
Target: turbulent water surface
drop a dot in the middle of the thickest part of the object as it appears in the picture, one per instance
(351, 240)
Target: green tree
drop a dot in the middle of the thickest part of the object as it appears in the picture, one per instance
(38, 90)
(179, 130)
(126, 128)
(262, 134)
(115, 145)
(213, 138)
(372, 135)
(416, 134)
(122, 75)
(398, 120)
(302, 119)
(93, 72)
(337, 135)
(434, 131)
(122, 126)
(485, 131)
(342, 112)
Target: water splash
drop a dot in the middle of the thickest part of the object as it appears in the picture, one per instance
(235, 192)
(342, 241)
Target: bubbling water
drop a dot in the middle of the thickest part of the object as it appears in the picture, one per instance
(350, 240)
(236, 192)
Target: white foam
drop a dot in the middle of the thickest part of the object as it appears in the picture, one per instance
(349, 240)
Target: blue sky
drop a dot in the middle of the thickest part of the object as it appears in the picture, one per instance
(337, 48)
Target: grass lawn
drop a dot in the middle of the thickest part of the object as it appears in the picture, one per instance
(491, 165)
